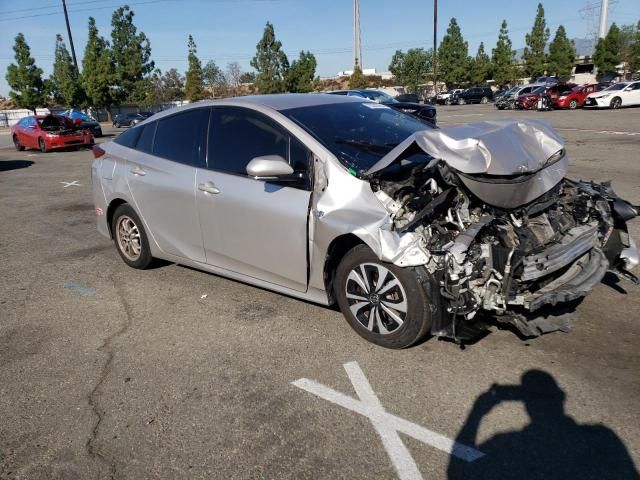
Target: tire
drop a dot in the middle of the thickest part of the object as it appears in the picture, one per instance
(616, 102)
(573, 104)
(461, 101)
(16, 143)
(42, 145)
(117, 125)
(447, 101)
(484, 100)
(361, 268)
(130, 237)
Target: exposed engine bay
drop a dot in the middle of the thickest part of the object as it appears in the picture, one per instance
(483, 256)
(59, 125)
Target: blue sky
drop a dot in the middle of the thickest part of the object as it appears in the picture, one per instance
(228, 30)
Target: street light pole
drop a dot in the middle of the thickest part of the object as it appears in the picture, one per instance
(435, 47)
(73, 50)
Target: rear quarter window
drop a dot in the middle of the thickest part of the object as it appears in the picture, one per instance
(129, 138)
(145, 140)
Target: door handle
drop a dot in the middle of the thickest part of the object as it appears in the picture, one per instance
(138, 171)
(208, 187)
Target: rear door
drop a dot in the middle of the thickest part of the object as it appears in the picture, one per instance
(254, 227)
(161, 173)
(632, 96)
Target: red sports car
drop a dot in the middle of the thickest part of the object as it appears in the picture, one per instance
(575, 97)
(48, 132)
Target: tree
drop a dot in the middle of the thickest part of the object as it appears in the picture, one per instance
(628, 42)
(172, 84)
(233, 73)
(25, 78)
(358, 80)
(502, 58)
(607, 55)
(562, 54)
(635, 51)
(410, 69)
(534, 57)
(480, 66)
(248, 77)
(212, 77)
(98, 73)
(270, 63)
(301, 73)
(65, 81)
(453, 56)
(194, 85)
(131, 56)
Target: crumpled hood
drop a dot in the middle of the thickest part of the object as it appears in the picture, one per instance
(495, 147)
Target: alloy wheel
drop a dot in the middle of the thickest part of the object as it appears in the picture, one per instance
(573, 104)
(616, 103)
(128, 237)
(376, 298)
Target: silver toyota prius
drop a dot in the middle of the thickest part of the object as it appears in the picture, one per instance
(412, 230)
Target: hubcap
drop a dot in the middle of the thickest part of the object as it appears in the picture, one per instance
(128, 237)
(376, 298)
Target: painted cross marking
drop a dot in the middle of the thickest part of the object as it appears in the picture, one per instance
(71, 184)
(386, 424)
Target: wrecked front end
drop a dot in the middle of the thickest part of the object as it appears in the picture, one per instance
(495, 230)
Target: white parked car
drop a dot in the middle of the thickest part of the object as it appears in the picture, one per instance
(621, 94)
(445, 97)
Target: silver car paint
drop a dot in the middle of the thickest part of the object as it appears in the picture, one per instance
(341, 204)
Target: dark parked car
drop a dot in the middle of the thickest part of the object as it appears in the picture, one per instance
(86, 121)
(422, 111)
(408, 97)
(127, 119)
(473, 95)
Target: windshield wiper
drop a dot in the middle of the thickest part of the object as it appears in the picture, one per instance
(373, 147)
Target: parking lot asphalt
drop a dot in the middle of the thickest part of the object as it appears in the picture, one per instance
(109, 372)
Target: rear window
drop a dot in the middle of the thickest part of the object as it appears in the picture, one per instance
(182, 137)
(129, 138)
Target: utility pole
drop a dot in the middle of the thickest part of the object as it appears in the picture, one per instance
(73, 50)
(357, 47)
(435, 47)
(604, 13)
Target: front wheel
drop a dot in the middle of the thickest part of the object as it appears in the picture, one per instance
(573, 104)
(131, 239)
(484, 100)
(616, 103)
(385, 304)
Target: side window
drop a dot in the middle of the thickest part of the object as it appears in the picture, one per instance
(237, 136)
(525, 91)
(145, 140)
(129, 137)
(635, 86)
(181, 137)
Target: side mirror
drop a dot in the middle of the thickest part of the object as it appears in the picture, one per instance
(269, 167)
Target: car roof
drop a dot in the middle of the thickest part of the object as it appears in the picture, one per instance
(278, 102)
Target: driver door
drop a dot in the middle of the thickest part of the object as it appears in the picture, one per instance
(253, 227)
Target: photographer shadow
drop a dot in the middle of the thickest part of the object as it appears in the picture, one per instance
(552, 446)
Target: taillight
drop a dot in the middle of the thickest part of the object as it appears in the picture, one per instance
(97, 151)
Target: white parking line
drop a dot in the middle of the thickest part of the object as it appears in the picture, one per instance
(71, 184)
(386, 424)
(606, 132)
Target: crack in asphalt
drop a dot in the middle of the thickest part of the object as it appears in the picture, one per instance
(92, 398)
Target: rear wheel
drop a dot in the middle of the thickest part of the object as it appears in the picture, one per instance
(573, 104)
(484, 100)
(385, 304)
(616, 103)
(131, 239)
(42, 145)
(16, 143)
(461, 101)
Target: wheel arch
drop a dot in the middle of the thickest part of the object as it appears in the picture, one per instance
(338, 248)
(115, 203)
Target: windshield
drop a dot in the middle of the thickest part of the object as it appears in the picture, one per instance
(359, 133)
(378, 97)
(617, 86)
